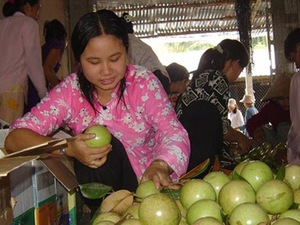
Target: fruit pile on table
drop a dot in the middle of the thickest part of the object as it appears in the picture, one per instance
(253, 194)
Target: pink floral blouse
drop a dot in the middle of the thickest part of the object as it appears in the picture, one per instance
(144, 120)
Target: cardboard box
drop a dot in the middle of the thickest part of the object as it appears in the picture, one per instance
(31, 177)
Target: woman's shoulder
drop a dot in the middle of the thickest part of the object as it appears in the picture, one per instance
(136, 73)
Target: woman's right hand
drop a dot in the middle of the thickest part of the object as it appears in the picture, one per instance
(93, 157)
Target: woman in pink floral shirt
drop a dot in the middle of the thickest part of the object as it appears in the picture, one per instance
(129, 100)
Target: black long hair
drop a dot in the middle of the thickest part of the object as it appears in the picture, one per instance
(89, 26)
(9, 8)
(54, 30)
(291, 42)
(215, 58)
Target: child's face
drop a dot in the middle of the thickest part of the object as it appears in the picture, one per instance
(295, 56)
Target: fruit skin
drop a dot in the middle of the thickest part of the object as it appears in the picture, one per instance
(203, 208)
(207, 221)
(234, 193)
(194, 190)
(102, 138)
(108, 216)
(159, 209)
(256, 173)
(131, 222)
(145, 189)
(217, 179)
(291, 213)
(286, 221)
(248, 213)
(292, 176)
(275, 196)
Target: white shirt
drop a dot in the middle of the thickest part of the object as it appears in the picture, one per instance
(20, 55)
(236, 119)
(139, 53)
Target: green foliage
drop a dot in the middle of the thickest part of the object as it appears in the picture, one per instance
(187, 46)
(94, 190)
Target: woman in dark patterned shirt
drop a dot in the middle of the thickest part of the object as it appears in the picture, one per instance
(202, 108)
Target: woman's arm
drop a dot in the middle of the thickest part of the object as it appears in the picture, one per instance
(51, 61)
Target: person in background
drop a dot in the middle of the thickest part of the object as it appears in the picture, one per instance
(139, 53)
(271, 124)
(202, 108)
(8, 8)
(52, 50)
(251, 110)
(20, 57)
(179, 76)
(149, 143)
(234, 114)
(292, 54)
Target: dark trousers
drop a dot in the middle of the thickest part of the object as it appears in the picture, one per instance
(203, 123)
(117, 172)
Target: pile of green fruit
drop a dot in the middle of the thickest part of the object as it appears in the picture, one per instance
(251, 195)
(275, 157)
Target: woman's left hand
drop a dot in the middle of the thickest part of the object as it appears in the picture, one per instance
(159, 172)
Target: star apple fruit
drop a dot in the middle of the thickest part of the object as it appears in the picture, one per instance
(292, 176)
(207, 221)
(203, 208)
(217, 179)
(159, 209)
(145, 189)
(286, 221)
(194, 190)
(256, 173)
(275, 196)
(248, 213)
(102, 138)
(107, 216)
(291, 213)
(234, 193)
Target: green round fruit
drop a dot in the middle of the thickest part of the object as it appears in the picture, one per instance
(217, 179)
(275, 196)
(207, 221)
(145, 189)
(291, 213)
(248, 213)
(292, 176)
(203, 208)
(238, 168)
(194, 190)
(234, 193)
(256, 173)
(159, 209)
(102, 138)
(286, 221)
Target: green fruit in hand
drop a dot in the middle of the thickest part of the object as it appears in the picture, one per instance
(102, 138)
